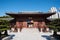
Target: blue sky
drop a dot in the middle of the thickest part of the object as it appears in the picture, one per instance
(27, 5)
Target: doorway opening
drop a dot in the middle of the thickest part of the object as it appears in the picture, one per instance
(30, 25)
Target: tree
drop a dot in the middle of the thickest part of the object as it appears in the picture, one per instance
(4, 27)
(5, 17)
(0, 33)
(6, 32)
(55, 25)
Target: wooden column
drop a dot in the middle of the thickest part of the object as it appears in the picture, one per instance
(35, 24)
(19, 25)
(24, 24)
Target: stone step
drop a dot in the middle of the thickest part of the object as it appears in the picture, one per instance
(30, 30)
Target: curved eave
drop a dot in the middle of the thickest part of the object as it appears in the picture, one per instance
(45, 15)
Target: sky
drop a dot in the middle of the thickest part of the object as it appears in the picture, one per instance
(27, 5)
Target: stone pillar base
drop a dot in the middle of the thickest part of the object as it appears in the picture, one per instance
(41, 29)
(12, 29)
(18, 29)
(47, 29)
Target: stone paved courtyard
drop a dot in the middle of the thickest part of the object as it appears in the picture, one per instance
(30, 34)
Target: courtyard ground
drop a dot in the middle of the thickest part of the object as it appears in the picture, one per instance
(30, 34)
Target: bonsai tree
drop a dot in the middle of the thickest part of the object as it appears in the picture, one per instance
(5, 32)
(0, 33)
(3, 27)
(55, 25)
(55, 32)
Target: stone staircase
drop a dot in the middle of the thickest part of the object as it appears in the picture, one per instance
(30, 30)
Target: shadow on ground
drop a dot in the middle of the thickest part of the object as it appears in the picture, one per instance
(57, 37)
(47, 37)
(12, 36)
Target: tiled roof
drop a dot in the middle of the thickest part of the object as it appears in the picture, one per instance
(29, 13)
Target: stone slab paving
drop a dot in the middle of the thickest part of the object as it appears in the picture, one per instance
(30, 34)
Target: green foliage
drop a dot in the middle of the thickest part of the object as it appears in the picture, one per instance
(4, 25)
(4, 22)
(55, 24)
(5, 17)
(51, 26)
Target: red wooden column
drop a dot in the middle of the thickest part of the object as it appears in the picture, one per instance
(42, 26)
(19, 25)
(24, 24)
(35, 24)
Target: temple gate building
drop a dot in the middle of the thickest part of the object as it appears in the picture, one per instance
(29, 20)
